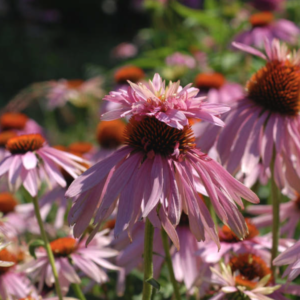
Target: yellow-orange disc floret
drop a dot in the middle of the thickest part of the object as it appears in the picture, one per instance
(80, 147)
(75, 83)
(110, 134)
(24, 143)
(150, 134)
(250, 269)
(12, 120)
(228, 236)
(261, 19)
(276, 87)
(206, 81)
(131, 73)
(7, 203)
(63, 247)
(6, 255)
(5, 136)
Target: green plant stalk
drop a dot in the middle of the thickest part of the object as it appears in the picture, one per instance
(78, 292)
(148, 262)
(168, 259)
(211, 210)
(275, 197)
(47, 246)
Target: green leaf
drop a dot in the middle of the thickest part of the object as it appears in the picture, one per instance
(154, 283)
(35, 244)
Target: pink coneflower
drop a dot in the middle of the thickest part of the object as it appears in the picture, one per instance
(56, 196)
(124, 51)
(31, 159)
(13, 284)
(265, 27)
(289, 213)
(246, 275)
(217, 89)
(90, 260)
(186, 264)
(5, 263)
(13, 223)
(19, 123)
(267, 120)
(158, 166)
(110, 136)
(4, 137)
(76, 91)
(180, 59)
(230, 243)
(290, 257)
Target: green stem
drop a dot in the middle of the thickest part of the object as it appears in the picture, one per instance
(47, 246)
(165, 241)
(148, 263)
(77, 290)
(211, 210)
(275, 195)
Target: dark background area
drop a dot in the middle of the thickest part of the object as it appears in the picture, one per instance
(52, 39)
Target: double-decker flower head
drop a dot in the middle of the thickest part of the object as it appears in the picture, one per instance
(170, 104)
(157, 173)
(31, 161)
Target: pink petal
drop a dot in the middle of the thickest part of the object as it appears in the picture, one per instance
(5, 164)
(169, 228)
(30, 182)
(96, 173)
(156, 184)
(29, 160)
(249, 49)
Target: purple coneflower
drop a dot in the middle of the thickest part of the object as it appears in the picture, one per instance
(19, 123)
(290, 257)
(265, 27)
(289, 213)
(217, 89)
(154, 174)
(267, 120)
(246, 275)
(124, 51)
(31, 159)
(91, 260)
(13, 284)
(76, 91)
(179, 59)
(230, 243)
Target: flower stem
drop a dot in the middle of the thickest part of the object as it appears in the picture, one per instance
(211, 210)
(148, 263)
(77, 290)
(165, 241)
(275, 197)
(47, 246)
